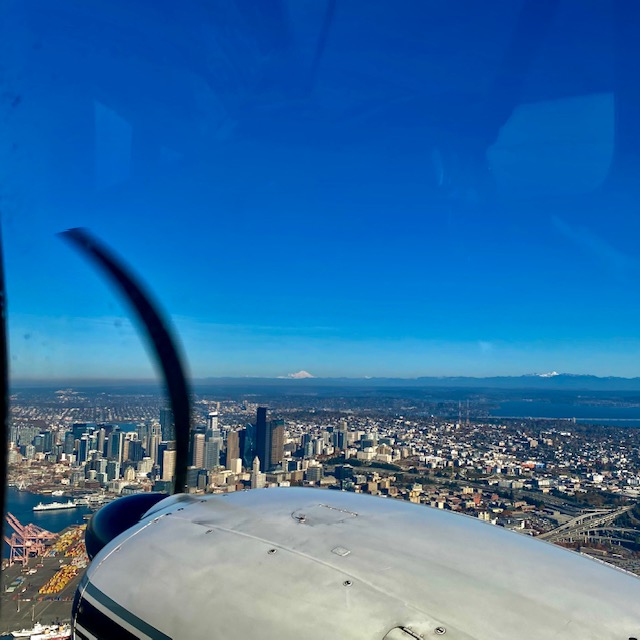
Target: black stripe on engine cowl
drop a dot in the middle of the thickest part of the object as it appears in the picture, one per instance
(104, 626)
(99, 624)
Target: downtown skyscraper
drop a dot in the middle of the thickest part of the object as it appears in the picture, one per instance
(269, 440)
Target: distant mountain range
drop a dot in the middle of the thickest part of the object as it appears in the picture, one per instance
(552, 380)
(304, 380)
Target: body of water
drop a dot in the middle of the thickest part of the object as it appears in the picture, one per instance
(127, 426)
(21, 503)
(607, 415)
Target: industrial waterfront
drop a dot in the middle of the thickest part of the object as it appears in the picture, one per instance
(40, 589)
(21, 504)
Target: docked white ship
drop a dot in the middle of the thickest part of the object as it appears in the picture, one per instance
(53, 506)
(41, 632)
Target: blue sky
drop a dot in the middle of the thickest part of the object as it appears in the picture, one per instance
(375, 203)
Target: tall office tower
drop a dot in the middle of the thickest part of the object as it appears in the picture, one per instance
(257, 478)
(152, 449)
(135, 452)
(69, 442)
(212, 421)
(168, 464)
(38, 443)
(83, 449)
(48, 441)
(213, 453)
(197, 450)
(269, 440)
(233, 448)
(115, 448)
(162, 448)
(144, 433)
(212, 449)
(276, 443)
(167, 425)
(262, 437)
(102, 437)
(248, 445)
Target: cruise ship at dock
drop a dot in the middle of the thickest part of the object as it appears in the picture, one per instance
(53, 506)
(41, 632)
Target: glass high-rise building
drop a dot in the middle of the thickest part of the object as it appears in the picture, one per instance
(212, 451)
(167, 425)
(248, 445)
(83, 449)
(262, 438)
(115, 449)
(69, 442)
(269, 440)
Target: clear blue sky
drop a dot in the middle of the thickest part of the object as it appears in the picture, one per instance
(365, 191)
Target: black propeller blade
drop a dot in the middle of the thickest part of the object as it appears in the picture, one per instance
(118, 516)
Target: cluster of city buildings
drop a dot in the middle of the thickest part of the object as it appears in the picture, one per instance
(246, 447)
(130, 458)
(527, 475)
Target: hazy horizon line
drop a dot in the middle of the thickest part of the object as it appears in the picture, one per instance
(293, 378)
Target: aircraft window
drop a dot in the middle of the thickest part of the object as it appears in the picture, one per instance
(387, 189)
(498, 138)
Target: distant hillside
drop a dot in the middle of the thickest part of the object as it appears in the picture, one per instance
(542, 382)
(562, 381)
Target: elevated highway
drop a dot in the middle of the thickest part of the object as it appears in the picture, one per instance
(591, 524)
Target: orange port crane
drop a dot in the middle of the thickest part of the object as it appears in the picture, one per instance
(27, 541)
